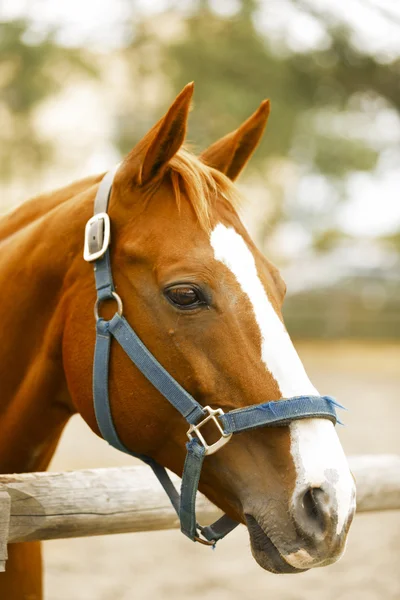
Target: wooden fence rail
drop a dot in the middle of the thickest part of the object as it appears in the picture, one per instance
(45, 506)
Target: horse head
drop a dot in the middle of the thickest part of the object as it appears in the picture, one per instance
(208, 305)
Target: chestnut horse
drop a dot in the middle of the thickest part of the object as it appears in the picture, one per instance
(207, 304)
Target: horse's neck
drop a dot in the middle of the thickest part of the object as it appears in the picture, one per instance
(35, 259)
(39, 206)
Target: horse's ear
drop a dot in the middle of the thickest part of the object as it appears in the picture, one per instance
(230, 154)
(151, 155)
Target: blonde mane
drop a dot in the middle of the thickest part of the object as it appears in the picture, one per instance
(201, 184)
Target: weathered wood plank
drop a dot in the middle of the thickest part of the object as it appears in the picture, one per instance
(90, 502)
(5, 507)
(377, 481)
(102, 501)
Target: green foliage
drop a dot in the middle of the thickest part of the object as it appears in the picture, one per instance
(320, 99)
(32, 70)
(313, 93)
(326, 240)
(235, 66)
(392, 241)
(354, 307)
(336, 156)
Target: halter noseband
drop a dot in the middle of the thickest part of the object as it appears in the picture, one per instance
(281, 412)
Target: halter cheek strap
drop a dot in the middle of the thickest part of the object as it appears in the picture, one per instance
(281, 412)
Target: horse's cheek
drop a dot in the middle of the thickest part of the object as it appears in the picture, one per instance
(78, 347)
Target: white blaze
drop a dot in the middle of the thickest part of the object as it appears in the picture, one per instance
(315, 446)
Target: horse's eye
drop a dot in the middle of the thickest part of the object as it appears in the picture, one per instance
(184, 296)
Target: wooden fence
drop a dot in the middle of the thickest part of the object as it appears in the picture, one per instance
(46, 506)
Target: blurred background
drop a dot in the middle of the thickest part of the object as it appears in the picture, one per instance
(81, 82)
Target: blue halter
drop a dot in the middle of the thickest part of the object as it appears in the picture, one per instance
(281, 412)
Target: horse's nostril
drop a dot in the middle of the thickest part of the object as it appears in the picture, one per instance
(312, 511)
(314, 505)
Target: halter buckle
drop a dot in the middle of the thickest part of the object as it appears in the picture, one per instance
(212, 416)
(97, 237)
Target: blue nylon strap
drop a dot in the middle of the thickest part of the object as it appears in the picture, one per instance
(103, 413)
(104, 191)
(281, 412)
(190, 483)
(267, 414)
(277, 413)
(162, 475)
(103, 277)
(102, 266)
(184, 506)
(219, 529)
(100, 386)
(153, 371)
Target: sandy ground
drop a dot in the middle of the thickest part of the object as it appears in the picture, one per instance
(164, 565)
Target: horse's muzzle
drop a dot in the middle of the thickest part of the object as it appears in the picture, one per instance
(264, 550)
(307, 538)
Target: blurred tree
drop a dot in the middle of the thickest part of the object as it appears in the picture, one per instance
(325, 98)
(235, 65)
(392, 241)
(327, 239)
(32, 69)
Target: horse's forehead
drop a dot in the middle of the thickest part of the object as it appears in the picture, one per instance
(199, 249)
(186, 250)
(235, 252)
(216, 254)
(174, 240)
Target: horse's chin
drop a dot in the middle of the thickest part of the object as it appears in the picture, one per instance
(270, 558)
(265, 552)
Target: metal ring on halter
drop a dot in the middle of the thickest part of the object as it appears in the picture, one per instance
(204, 541)
(117, 300)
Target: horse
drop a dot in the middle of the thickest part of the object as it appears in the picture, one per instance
(207, 304)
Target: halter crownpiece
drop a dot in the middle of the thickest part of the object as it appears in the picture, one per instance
(281, 412)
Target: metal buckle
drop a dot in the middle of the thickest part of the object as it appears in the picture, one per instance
(212, 416)
(87, 254)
